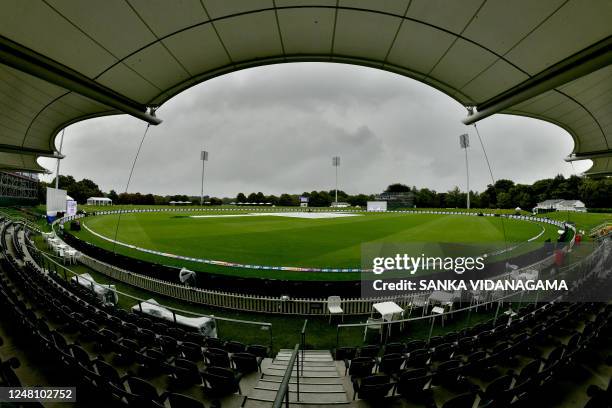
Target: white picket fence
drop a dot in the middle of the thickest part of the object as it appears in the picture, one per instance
(254, 303)
(237, 301)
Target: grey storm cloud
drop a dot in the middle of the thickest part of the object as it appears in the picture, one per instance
(274, 129)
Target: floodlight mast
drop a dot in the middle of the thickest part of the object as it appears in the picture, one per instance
(464, 142)
(204, 158)
(336, 164)
(58, 160)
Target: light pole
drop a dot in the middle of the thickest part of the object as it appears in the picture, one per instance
(336, 164)
(204, 158)
(464, 142)
(58, 160)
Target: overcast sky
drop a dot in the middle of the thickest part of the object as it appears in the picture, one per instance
(274, 129)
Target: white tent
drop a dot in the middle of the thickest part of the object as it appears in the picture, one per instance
(99, 201)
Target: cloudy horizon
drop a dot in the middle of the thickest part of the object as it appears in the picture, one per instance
(275, 129)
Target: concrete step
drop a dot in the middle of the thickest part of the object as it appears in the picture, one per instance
(305, 368)
(251, 403)
(320, 382)
(305, 398)
(289, 351)
(317, 374)
(307, 358)
(307, 363)
(306, 353)
(303, 380)
(320, 388)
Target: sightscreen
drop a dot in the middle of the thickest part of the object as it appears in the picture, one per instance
(56, 200)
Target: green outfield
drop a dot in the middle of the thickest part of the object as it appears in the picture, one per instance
(286, 241)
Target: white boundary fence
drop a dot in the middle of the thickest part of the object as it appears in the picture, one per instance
(237, 301)
(224, 264)
(263, 304)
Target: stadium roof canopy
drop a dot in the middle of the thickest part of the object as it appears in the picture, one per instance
(62, 61)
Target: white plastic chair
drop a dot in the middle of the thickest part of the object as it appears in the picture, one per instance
(478, 297)
(334, 307)
(373, 324)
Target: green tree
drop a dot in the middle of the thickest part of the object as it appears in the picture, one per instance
(272, 199)
(503, 185)
(455, 198)
(596, 193)
(287, 200)
(504, 200)
(320, 199)
(426, 198)
(359, 199)
(113, 196)
(397, 188)
(80, 190)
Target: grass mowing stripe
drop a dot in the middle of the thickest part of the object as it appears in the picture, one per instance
(273, 240)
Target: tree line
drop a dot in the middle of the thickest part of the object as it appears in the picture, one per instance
(595, 193)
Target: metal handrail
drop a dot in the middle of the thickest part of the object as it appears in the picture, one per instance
(303, 343)
(283, 389)
(412, 319)
(498, 300)
(426, 317)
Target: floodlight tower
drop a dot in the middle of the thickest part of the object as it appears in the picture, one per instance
(464, 142)
(336, 164)
(204, 158)
(58, 160)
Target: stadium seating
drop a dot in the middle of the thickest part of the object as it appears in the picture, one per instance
(8, 378)
(467, 363)
(92, 342)
(117, 355)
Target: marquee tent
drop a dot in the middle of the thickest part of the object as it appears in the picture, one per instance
(99, 201)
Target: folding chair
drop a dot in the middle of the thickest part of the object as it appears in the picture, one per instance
(334, 307)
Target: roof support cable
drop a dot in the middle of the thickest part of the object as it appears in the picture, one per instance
(492, 181)
(128, 184)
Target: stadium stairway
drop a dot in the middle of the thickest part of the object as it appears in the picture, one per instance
(320, 382)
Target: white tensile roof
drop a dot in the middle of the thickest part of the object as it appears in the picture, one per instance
(61, 63)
